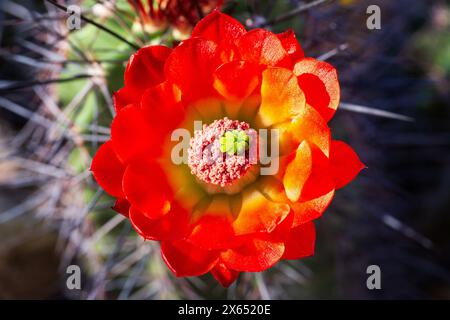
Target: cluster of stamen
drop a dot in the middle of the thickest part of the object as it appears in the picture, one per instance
(220, 154)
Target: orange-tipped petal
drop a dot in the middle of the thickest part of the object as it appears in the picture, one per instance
(262, 47)
(281, 97)
(184, 259)
(310, 126)
(291, 45)
(108, 170)
(224, 275)
(236, 80)
(194, 76)
(302, 211)
(258, 214)
(146, 188)
(298, 172)
(345, 163)
(320, 84)
(300, 242)
(257, 254)
(306, 211)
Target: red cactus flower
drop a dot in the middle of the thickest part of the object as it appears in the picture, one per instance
(181, 14)
(225, 216)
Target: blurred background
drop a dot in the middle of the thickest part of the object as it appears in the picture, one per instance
(56, 107)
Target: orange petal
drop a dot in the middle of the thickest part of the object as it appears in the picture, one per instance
(184, 259)
(298, 172)
(320, 84)
(191, 66)
(291, 45)
(281, 97)
(262, 47)
(108, 170)
(345, 163)
(224, 275)
(310, 126)
(272, 188)
(312, 209)
(257, 254)
(258, 214)
(303, 211)
(300, 242)
(236, 80)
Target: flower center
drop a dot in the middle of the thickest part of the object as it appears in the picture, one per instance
(221, 153)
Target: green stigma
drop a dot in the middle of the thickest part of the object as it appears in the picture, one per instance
(234, 142)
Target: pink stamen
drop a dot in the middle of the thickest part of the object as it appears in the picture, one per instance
(206, 160)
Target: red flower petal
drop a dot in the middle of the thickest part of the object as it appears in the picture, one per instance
(320, 84)
(108, 170)
(163, 108)
(194, 75)
(262, 47)
(219, 28)
(257, 254)
(145, 69)
(122, 206)
(320, 181)
(236, 80)
(124, 97)
(291, 45)
(345, 163)
(132, 135)
(185, 259)
(300, 242)
(223, 274)
(146, 188)
(213, 230)
(212, 233)
(173, 225)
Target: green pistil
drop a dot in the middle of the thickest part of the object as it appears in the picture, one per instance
(234, 142)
